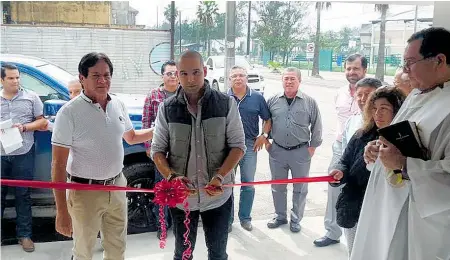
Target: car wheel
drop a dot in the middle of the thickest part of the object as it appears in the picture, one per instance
(215, 86)
(140, 216)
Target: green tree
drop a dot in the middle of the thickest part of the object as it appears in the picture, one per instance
(167, 13)
(207, 12)
(280, 26)
(319, 7)
(379, 73)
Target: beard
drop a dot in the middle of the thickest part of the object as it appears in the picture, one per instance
(353, 79)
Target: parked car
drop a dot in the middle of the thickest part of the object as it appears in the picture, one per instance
(50, 82)
(216, 70)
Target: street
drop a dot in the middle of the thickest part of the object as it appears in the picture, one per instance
(261, 243)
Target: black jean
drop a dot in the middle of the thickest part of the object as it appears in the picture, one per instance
(215, 225)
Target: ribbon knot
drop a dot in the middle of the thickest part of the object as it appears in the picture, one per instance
(172, 193)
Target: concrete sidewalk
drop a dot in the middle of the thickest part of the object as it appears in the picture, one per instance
(262, 243)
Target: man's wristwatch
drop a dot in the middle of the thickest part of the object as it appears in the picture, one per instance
(265, 135)
(172, 175)
(220, 177)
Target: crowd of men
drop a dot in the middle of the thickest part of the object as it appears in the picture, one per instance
(200, 136)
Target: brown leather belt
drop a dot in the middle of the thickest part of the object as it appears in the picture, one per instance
(109, 181)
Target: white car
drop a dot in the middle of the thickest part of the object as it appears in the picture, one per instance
(216, 70)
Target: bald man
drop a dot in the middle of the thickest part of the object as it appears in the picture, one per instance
(75, 88)
(201, 131)
(403, 83)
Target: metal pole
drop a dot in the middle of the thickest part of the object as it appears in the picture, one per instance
(372, 40)
(415, 18)
(249, 27)
(179, 21)
(172, 30)
(230, 38)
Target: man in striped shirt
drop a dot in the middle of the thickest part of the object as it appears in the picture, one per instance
(25, 109)
(152, 101)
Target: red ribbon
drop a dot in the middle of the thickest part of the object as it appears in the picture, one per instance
(97, 187)
(166, 194)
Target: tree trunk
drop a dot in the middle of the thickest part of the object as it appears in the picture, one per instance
(209, 45)
(379, 74)
(315, 68)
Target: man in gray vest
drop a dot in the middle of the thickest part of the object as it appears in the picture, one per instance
(199, 138)
(296, 132)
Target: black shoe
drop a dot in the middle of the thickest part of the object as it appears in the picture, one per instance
(158, 234)
(325, 241)
(247, 225)
(274, 223)
(295, 227)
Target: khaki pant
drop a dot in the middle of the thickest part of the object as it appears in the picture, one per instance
(92, 211)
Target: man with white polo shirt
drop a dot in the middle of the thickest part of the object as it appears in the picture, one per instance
(88, 149)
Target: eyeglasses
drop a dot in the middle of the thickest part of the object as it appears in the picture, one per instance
(407, 65)
(171, 74)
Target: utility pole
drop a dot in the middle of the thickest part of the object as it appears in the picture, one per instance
(415, 18)
(172, 30)
(249, 27)
(230, 38)
(157, 18)
(179, 21)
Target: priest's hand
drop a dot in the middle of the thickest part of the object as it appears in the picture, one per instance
(371, 152)
(390, 156)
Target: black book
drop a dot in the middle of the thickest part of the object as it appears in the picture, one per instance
(405, 136)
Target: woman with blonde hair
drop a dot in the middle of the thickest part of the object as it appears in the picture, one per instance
(379, 111)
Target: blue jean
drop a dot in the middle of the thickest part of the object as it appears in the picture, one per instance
(155, 209)
(19, 167)
(215, 225)
(247, 166)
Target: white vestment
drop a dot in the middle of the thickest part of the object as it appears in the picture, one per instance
(412, 222)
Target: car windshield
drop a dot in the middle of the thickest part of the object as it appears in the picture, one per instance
(61, 75)
(239, 61)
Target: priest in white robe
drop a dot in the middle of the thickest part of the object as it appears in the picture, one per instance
(407, 216)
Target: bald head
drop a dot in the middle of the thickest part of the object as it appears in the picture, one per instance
(74, 87)
(191, 72)
(402, 82)
(190, 54)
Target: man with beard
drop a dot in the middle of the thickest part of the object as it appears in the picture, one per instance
(346, 106)
(199, 139)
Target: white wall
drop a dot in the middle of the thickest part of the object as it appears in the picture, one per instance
(441, 16)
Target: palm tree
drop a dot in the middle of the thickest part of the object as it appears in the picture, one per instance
(319, 7)
(382, 8)
(207, 11)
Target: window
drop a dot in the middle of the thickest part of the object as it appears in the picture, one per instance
(44, 91)
(57, 73)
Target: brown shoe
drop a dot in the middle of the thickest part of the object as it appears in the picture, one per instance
(27, 244)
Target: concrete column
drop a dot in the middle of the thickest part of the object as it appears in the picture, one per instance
(441, 16)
